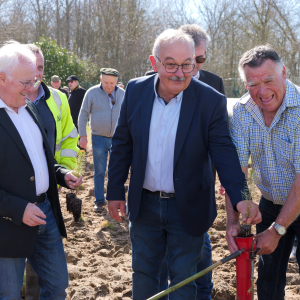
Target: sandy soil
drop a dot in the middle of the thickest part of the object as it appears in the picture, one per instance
(98, 252)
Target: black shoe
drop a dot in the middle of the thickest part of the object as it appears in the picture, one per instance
(98, 206)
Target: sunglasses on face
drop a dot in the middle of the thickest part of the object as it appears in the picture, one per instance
(71, 81)
(200, 59)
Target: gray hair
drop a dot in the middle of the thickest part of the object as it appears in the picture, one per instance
(172, 36)
(35, 49)
(256, 57)
(198, 34)
(11, 54)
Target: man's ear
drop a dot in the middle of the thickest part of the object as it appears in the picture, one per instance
(3, 78)
(284, 72)
(246, 85)
(153, 63)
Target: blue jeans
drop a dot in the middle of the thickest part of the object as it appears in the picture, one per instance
(204, 283)
(156, 229)
(48, 261)
(101, 146)
(272, 268)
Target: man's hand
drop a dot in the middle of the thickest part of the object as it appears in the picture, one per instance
(72, 181)
(113, 209)
(32, 216)
(250, 212)
(83, 142)
(267, 241)
(233, 229)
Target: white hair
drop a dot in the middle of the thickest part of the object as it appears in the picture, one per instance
(172, 36)
(13, 53)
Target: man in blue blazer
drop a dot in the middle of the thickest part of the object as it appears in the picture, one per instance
(169, 127)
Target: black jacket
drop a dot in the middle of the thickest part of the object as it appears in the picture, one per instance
(75, 101)
(215, 82)
(17, 187)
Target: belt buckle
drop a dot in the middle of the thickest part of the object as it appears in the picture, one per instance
(161, 196)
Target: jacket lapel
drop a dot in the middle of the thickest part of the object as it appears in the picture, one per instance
(8, 125)
(146, 112)
(188, 106)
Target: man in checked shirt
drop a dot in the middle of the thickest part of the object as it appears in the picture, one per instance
(266, 125)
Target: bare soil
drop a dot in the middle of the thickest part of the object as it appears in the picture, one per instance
(98, 252)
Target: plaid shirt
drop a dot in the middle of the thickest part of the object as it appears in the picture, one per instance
(274, 150)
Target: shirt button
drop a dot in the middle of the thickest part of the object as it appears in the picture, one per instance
(32, 178)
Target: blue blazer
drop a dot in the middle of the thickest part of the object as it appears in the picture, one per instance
(202, 134)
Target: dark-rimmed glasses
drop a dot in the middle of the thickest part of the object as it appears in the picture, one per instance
(200, 59)
(172, 68)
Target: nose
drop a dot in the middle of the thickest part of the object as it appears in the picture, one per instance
(179, 72)
(262, 89)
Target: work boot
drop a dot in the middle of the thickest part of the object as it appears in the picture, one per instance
(32, 289)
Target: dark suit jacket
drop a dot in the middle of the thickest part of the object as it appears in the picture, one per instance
(202, 132)
(17, 187)
(212, 80)
(216, 82)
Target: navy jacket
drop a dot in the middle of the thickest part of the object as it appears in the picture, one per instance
(202, 133)
(17, 187)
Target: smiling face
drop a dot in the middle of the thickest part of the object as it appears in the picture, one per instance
(108, 83)
(266, 85)
(12, 91)
(179, 53)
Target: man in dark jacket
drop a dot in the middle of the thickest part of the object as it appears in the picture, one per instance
(201, 40)
(76, 97)
(31, 222)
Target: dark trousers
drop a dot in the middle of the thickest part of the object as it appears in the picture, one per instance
(272, 268)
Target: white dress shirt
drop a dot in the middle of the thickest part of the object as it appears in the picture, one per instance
(33, 142)
(162, 135)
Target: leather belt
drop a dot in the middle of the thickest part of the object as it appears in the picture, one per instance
(160, 194)
(41, 198)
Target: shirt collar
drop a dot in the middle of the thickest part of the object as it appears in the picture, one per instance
(177, 97)
(40, 95)
(116, 87)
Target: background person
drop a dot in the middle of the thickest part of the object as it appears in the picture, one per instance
(61, 132)
(102, 104)
(76, 97)
(56, 84)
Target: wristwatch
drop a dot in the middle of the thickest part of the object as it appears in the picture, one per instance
(279, 228)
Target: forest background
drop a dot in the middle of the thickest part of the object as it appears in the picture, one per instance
(81, 36)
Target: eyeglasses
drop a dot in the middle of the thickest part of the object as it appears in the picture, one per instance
(172, 68)
(28, 85)
(200, 59)
(70, 81)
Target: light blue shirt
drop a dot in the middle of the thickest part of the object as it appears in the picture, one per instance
(162, 135)
(40, 95)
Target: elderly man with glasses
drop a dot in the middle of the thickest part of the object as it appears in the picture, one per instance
(168, 132)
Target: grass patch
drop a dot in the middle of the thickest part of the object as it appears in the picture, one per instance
(107, 225)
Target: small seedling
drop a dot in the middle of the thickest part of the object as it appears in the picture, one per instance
(106, 224)
(247, 195)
